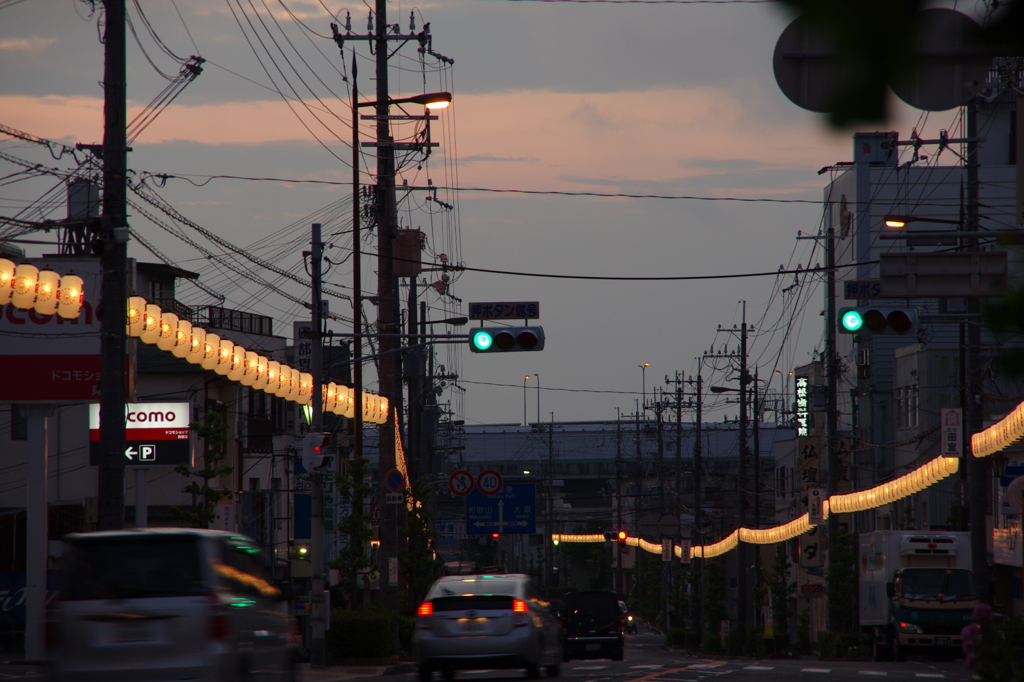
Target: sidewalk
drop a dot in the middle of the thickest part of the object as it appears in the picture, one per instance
(331, 673)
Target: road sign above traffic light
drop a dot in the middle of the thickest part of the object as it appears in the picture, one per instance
(892, 321)
(506, 339)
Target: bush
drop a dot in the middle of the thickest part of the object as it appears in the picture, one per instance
(681, 637)
(406, 626)
(361, 634)
(842, 645)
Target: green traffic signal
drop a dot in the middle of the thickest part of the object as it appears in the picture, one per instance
(482, 340)
(851, 320)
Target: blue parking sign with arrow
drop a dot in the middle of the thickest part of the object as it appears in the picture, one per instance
(511, 510)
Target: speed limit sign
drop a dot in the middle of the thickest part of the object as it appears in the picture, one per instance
(489, 481)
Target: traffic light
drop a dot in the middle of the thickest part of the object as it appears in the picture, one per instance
(313, 445)
(505, 339)
(891, 321)
(608, 538)
(621, 536)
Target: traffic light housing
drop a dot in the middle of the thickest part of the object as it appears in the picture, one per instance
(506, 339)
(313, 450)
(889, 321)
(621, 537)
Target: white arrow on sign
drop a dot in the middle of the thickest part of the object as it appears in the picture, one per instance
(130, 453)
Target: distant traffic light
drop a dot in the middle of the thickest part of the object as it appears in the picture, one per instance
(313, 445)
(506, 339)
(891, 321)
(622, 535)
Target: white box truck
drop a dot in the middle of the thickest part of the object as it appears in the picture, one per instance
(917, 592)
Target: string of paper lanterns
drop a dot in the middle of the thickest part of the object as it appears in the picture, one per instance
(28, 288)
(861, 500)
(1000, 435)
(151, 325)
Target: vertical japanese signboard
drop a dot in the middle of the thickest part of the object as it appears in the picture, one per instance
(802, 406)
(952, 419)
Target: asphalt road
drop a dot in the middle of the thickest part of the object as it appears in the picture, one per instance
(647, 661)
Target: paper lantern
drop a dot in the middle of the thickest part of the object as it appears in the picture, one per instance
(211, 351)
(151, 324)
(249, 366)
(197, 346)
(6, 280)
(47, 292)
(261, 373)
(182, 339)
(25, 277)
(237, 369)
(273, 377)
(224, 353)
(72, 297)
(168, 331)
(136, 316)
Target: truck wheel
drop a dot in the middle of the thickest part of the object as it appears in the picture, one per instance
(899, 654)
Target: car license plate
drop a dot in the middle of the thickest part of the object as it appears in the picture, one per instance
(942, 641)
(593, 647)
(474, 625)
(133, 632)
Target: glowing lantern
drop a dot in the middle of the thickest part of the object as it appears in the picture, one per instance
(224, 353)
(261, 373)
(72, 296)
(237, 364)
(211, 351)
(6, 280)
(292, 393)
(197, 346)
(25, 277)
(182, 339)
(136, 316)
(330, 397)
(249, 366)
(47, 289)
(168, 331)
(305, 396)
(151, 324)
(273, 377)
(346, 403)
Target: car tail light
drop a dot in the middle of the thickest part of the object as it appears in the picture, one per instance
(426, 609)
(518, 606)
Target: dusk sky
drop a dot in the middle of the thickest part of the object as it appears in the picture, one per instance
(640, 99)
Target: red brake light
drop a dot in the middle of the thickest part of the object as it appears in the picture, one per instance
(426, 608)
(518, 606)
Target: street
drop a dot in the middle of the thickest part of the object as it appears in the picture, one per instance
(647, 661)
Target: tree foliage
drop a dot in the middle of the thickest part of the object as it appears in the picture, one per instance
(214, 432)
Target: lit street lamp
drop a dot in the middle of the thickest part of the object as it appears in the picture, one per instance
(643, 372)
(525, 378)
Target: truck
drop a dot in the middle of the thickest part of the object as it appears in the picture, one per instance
(917, 592)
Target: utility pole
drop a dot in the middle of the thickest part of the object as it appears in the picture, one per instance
(357, 311)
(619, 587)
(741, 550)
(114, 258)
(835, 619)
(638, 511)
(548, 549)
(976, 473)
(698, 464)
(316, 560)
(757, 456)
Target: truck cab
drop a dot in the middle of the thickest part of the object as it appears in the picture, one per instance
(916, 592)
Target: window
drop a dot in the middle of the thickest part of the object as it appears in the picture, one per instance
(912, 406)
(900, 411)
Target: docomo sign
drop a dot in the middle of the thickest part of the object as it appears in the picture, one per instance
(151, 325)
(155, 417)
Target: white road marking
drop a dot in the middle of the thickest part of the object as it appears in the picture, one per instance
(591, 667)
(873, 672)
(760, 667)
(816, 670)
(645, 667)
(931, 675)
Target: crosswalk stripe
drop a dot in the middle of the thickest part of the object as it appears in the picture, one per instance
(760, 667)
(816, 670)
(931, 675)
(873, 672)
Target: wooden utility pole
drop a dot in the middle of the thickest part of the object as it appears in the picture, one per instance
(113, 259)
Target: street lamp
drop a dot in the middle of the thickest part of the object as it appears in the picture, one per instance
(525, 378)
(898, 222)
(643, 373)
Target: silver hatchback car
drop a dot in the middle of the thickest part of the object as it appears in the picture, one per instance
(169, 604)
(486, 621)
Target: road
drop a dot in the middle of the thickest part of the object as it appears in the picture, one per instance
(647, 661)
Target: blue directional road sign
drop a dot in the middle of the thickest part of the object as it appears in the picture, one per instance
(511, 510)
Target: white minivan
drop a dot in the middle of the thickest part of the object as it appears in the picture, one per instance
(168, 604)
